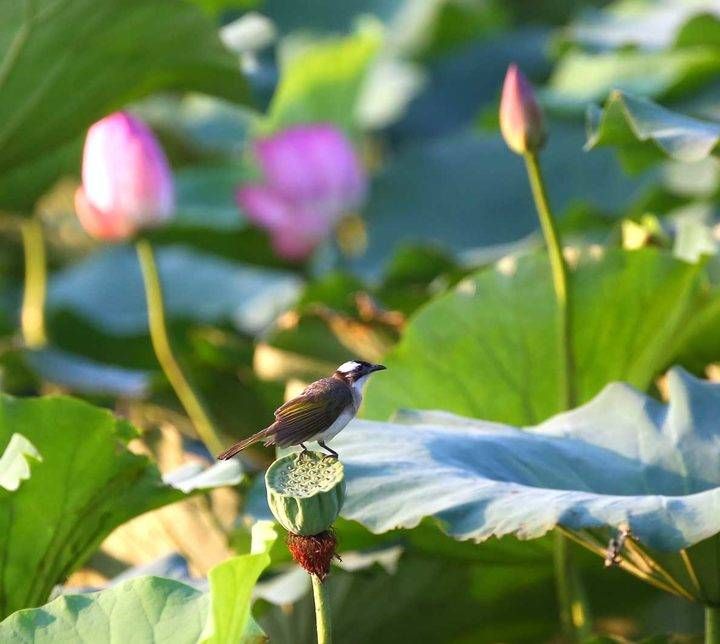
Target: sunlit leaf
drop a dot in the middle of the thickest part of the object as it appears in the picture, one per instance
(580, 78)
(323, 82)
(15, 462)
(231, 585)
(86, 484)
(644, 131)
(152, 609)
(642, 23)
(195, 477)
(490, 350)
(128, 48)
(147, 609)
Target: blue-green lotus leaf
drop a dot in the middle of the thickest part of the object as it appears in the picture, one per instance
(107, 290)
(81, 374)
(623, 457)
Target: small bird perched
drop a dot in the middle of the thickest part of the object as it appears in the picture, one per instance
(319, 413)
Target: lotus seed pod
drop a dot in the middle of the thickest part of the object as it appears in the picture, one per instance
(305, 492)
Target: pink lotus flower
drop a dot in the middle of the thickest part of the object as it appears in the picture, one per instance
(312, 177)
(521, 119)
(126, 180)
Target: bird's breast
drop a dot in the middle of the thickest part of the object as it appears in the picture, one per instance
(340, 422)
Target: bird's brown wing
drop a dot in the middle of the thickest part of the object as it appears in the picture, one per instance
(312, 412)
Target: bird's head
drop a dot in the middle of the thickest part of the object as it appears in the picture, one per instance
(355, 372)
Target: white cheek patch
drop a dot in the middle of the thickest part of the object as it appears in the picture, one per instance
(347, 367)
(358, 384)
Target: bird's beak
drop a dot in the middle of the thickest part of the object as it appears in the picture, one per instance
(377, 367)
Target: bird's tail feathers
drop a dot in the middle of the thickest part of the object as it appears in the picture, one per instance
(241, 445)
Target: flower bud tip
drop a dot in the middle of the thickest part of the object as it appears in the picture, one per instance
(521, 119)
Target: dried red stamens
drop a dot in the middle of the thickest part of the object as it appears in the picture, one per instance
(313, 553)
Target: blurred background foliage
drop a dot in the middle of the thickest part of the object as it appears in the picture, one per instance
(416, 84)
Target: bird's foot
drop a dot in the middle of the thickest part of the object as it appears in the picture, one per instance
(332, 453)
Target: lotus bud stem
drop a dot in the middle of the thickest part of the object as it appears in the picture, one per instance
(305, 492)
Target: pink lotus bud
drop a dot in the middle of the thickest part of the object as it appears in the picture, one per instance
(521, 119)
(126, 180)
(312, 177)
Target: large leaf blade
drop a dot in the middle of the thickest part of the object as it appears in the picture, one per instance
(152, 609)
(146, 609)
(490, 349)
(644, 131)
(86, 484)
(623, 457)
(109, 53)
(323, 82)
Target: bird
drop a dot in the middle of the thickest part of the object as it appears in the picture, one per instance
(319, 413)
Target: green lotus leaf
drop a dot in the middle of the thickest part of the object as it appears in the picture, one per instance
(150, 609)
(323, 81)
(644, 131)
(129, 47)
(153, 609)
(83, 485)
(488, 349)
(581, 78)
(473, 209)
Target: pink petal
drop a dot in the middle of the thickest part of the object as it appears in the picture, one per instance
(107, 226)
(315, 165)
(295, 231)
(263, 206)
(521, 120)
(125, 171)
(295, 243)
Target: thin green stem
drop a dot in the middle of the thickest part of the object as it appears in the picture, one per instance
(712, 624)
(560, 277)
(574, 613)
(163, 350)
(32, 314)
(322, 611)
(574, 610)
